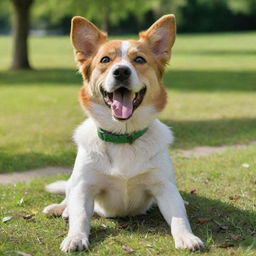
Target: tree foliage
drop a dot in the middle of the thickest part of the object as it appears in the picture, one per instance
(103, 13)
(242, 6)
(97, 10)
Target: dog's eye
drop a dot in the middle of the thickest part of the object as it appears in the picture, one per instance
(105, 59)
(139, 60)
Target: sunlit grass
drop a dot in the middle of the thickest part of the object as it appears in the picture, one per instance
(215, 179)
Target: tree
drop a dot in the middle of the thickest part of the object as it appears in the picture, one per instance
(20, 29)
(101, 12)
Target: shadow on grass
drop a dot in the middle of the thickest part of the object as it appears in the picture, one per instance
(215, 81)
(225, 223)
(61, 76)
(188, 80)
(187, 134)
(27, 161)
(212, 132)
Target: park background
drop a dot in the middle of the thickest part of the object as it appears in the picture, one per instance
(211, 84)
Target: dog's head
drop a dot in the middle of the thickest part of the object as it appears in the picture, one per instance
(122, 78)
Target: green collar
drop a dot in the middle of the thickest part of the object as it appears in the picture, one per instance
(120, 138)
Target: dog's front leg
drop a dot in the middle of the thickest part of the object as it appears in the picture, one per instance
(80, 208)
(173, 210)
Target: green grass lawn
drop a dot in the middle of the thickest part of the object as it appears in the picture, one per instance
(211, 83)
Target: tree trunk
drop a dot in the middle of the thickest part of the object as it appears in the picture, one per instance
(20, 34)
(105, 19)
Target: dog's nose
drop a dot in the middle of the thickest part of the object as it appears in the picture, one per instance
(122, 73)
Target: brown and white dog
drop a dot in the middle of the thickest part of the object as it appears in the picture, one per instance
(123, 164)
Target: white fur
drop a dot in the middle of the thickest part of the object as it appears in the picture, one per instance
(57, 187)
(135, 83)
(123, 179)
(124, 48)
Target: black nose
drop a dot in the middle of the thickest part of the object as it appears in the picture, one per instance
(122, 73)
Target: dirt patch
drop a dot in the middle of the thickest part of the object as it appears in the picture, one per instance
(204, 151)
(11, 178)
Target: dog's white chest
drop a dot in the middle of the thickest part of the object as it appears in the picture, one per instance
(122, 197)
(127, 162)
(123, 173)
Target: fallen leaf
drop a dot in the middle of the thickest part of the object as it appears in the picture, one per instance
(237, 237)
(203, 220)
(22, 253)
(124, 225)
(234, 198)
(245, 165)
(226, 245)
(254, 182)
(220, 225)
(62, 234)
(149, 246)
(127, 249)
(7, 218)
(40, 240)
(193, 191)
(26, 216)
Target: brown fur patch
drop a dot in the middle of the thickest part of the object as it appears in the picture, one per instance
(86, 39)
(84, 97)
(160, 38)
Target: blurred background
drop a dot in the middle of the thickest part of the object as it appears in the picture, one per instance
(41, 18)
(210, 79)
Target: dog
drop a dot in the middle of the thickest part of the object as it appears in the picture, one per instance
(123, 164)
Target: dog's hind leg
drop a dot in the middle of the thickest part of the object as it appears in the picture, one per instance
(56, 210)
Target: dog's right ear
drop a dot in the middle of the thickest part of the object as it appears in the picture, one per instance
(86, 38)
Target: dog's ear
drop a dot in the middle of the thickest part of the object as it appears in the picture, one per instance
(160, 37)
(86, 38)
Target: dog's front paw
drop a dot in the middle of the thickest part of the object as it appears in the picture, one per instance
(77, 242)
(188, 241)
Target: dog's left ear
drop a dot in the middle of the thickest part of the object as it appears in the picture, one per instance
(160, 37)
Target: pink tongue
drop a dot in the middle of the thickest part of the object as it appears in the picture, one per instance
(122, 105)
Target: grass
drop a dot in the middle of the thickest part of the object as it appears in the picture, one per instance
(215, 180)
(211, 87)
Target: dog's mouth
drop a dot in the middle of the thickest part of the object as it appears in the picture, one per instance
(123, 102)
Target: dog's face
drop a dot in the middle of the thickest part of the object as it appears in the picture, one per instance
(123, 76)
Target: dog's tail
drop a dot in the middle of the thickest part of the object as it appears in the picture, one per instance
(57, 187)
